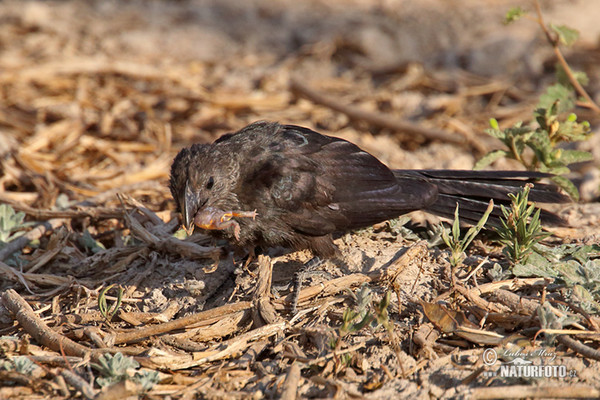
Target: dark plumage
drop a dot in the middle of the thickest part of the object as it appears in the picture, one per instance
(284, 185)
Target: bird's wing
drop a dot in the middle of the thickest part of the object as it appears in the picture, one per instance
(325, 184)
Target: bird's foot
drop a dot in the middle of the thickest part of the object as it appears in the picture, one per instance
(299, 276)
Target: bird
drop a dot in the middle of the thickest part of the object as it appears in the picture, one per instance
(274, 185)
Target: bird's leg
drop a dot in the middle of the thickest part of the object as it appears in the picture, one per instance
(311, 264)
(213, 218)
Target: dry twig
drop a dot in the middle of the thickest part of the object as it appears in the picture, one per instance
(205, 316)
(38, 329)
(290, 385)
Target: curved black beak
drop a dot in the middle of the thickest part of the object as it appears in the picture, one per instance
(189, 208)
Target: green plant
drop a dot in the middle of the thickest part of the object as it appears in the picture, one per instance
(146, 379)
(117, 368)
(20, 364)
(549, 320)
(10, 223)
(457, 244)
(109, 311)
(551, 128)
(355, 320)
(558, 35)
(521, 228)
(543, 141)
(87, 241)
(576, 266)
(114, 368)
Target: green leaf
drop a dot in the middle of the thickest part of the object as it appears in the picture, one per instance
(489, 158)
(456, 225)
(570, 272)
(563, 78)
(530, 270)
(474, 230)
(521, 230)
(567, 186)
(573, 156)
(585, 252)
(87, 241)
(113, 368)
(514, 14)
(20, 364)
(566, 35)
(585, 298)
(180, 234)
(497, 133)
(557, 93)
(147, 379)
(10, 221)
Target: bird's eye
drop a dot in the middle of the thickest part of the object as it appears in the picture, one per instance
(210, 183)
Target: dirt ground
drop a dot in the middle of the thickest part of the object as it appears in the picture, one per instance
(96, 98)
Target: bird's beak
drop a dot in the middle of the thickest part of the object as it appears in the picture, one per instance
(189, 208)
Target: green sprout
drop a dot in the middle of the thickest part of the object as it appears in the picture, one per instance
(458, 245)
(521, 228)
(108, 312)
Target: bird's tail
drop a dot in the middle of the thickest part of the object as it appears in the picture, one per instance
(472, 191)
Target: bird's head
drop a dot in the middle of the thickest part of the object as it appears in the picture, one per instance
(202, 176)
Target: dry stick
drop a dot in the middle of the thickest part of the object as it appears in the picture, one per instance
(38, 329)
(141, 333)
(290, 385)
(324, 289)
(56, 360)
(263, 310)
(561, 59)
(47, 256)
(79, 383)
(10, 273)
(512, 284)
(525, 306)
(170, 244)
(151, 215)
(265, 275)
(216, 329)
(62, 388)
(536, 392)
(33, 234)
(231, 347)
(378, 119)
(579, 347)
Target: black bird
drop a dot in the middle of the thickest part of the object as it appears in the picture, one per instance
(283, 185)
